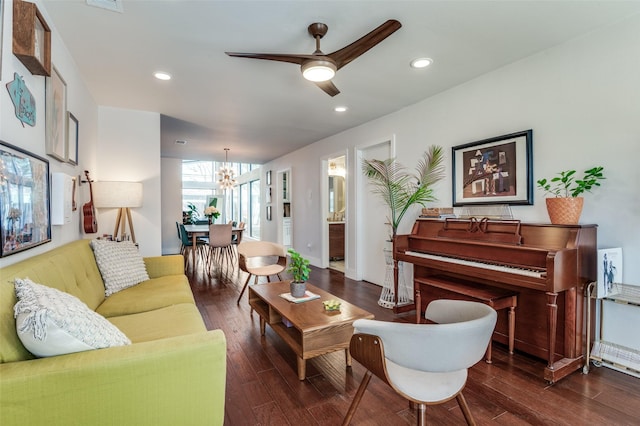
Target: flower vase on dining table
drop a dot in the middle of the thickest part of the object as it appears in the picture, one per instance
(212, 213)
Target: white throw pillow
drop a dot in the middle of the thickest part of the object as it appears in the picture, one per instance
(120, 264)
(51, 322)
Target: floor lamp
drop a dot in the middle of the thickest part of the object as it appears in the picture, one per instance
(122, 196)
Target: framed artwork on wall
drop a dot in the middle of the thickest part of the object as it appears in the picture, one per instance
(497, 170)
(31, 38)
(25, 220)
(268, 212)
(72, 138)
(269, 177)
(24, 104)
(56, 116)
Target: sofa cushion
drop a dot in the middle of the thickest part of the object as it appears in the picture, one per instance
(149, 295)
(172, 321)
(120, 264)
(51, 322)
(70, 268)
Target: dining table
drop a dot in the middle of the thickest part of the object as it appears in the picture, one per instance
(196, 231)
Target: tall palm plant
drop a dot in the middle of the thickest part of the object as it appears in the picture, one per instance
(400, 189)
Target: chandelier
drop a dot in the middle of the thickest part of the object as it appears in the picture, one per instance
(226, 181)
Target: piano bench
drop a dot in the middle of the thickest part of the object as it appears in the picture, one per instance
(497, 298)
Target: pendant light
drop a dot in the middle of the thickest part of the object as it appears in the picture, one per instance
(227, 180)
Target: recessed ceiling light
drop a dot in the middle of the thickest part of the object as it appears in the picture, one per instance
(340, 109)
(421, 62)
(181, 142)
(161, 75)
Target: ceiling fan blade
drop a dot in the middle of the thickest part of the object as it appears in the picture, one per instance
(328, 87)
(363, 44)
(294, 59)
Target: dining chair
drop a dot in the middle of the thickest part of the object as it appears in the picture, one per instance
(425, 363)
(261, 259)
(179, 237)
(237, 238)
(219, 245)
(187, 245)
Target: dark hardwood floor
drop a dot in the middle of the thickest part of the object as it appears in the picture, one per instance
(263, 388)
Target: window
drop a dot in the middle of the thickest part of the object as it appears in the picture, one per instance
(197, 184)
(244, 203)
(254, 208)
(241, 203)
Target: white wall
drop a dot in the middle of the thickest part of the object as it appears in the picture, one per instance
(171, 203)
(581, 101)
(114, 144)
(32, 139)
(129, 150)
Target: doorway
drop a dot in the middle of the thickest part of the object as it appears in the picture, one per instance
(336, 211)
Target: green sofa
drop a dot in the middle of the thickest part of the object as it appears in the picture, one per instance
(173, 373)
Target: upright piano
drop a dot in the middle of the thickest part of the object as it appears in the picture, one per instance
(549, 266)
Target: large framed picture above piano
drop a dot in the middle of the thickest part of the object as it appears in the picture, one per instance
(497, 170)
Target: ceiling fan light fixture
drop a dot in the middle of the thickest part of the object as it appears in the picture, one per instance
(318, 70)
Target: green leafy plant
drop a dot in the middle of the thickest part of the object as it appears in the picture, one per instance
(400, 189)
(298, 267)
(191, 214)
(566, 185)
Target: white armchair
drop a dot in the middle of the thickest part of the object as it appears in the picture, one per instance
(425, 363)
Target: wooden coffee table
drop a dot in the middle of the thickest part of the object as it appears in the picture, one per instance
(312, 331)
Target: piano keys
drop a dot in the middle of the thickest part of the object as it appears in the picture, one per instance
(549, 266)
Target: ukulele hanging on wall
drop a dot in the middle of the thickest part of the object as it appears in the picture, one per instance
(89, 211)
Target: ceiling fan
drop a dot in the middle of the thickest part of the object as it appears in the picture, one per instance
(320, 68)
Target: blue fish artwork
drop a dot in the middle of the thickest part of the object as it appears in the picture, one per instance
(23, 101)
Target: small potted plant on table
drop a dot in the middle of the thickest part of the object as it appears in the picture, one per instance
(565, 207)
(299, 268)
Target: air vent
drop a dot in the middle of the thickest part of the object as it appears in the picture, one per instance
(112, 5)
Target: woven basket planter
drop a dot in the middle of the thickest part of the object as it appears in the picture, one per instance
(565, 211)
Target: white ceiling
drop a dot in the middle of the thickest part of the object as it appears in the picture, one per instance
(262, 109)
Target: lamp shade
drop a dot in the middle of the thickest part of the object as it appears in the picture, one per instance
(117, 194)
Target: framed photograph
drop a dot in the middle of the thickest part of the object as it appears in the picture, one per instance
(498, 170)
(268, 212)
(25, 220)
(72, 138)
(609, 270)
(268, 196)
(269, 177)
(56, 116)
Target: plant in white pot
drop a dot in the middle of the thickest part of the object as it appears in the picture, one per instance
(299, 268)
(565, 204)
(400, 189)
